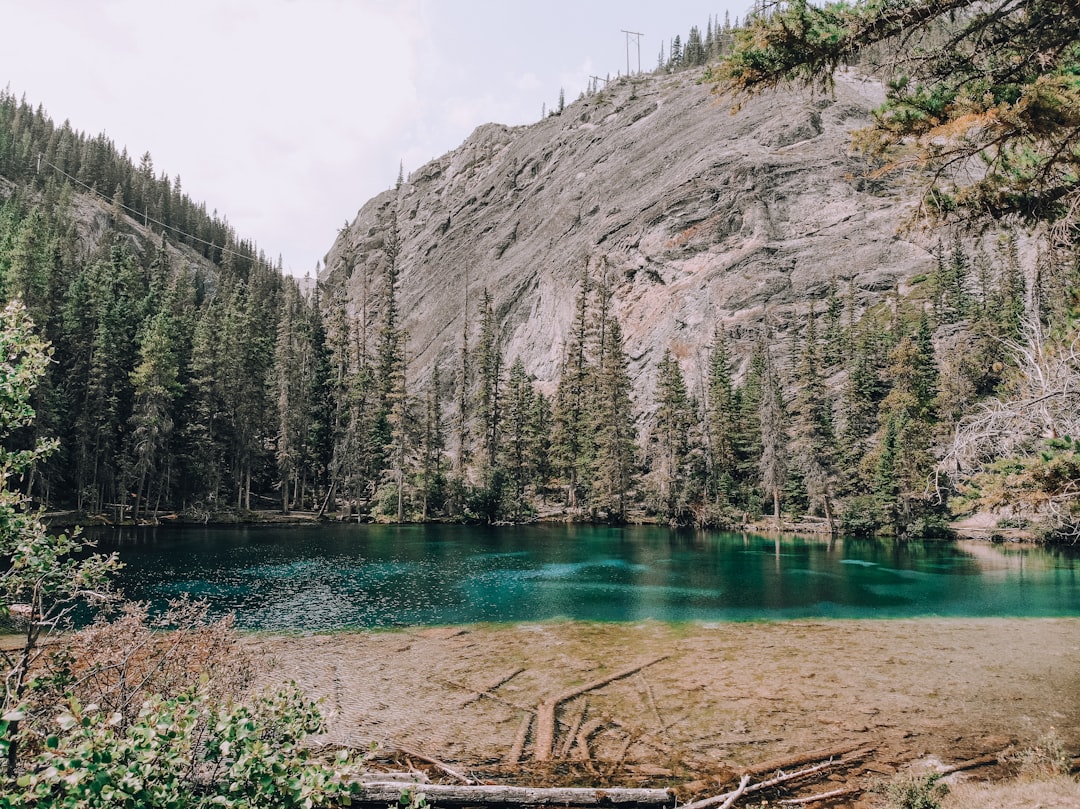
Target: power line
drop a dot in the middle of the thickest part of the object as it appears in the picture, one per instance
(141, 214)
(639, 36)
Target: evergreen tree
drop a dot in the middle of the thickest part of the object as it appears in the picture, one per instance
(816, 442)
(772, 418)
(722, 416)
(903, 459)
(515, 449)
(156, 386)
(669, 442)
(570, 441)
(432, 445)
(613, 428)
(488, 364)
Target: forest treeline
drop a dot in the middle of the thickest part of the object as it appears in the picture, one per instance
(189, 375)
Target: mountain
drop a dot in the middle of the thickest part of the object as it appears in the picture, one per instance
(702, 217)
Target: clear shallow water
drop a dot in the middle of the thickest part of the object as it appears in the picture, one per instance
(325, 577)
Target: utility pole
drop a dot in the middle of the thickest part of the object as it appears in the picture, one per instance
(628, 35)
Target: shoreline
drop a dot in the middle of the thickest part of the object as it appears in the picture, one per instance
(710, 698)
(977, 529)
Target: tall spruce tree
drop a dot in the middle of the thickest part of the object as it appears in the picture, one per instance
(570, 435)
(613, 428)
(669, 442)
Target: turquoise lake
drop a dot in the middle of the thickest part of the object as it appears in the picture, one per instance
(334, 576)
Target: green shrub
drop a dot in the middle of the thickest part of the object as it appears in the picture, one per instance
(184, 752)
(917, 792)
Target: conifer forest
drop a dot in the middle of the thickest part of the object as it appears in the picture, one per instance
(191, 377)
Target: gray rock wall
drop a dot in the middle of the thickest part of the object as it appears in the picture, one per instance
(703, 217)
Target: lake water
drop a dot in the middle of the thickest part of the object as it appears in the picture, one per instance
(332, 576)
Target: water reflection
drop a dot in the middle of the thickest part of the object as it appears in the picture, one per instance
(335, 576)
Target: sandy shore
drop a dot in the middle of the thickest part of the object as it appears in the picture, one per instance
(726, 696)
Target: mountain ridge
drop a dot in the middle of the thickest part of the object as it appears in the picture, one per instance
(704, 218)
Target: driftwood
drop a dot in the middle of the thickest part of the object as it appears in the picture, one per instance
(583, 735)
(518, 747)
(797, 760)
(821, 796)
(736, 793)
(434, 762)
(971, 764)
(384, 792)
(575, 724)
(545, 711)
(722, 800)
(486, 689)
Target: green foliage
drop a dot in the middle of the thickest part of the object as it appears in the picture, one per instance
(861, 516)
(185, 752)
(1046, 756)
(42, 578)
(967, 82)
(917, 792)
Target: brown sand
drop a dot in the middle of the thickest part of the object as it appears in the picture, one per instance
(729, 696)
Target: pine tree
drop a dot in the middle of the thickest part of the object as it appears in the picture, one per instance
(721, 422)
(903, 459)
(669, 442)
(515, 449)
(292, 386)
(488, 364)
(432, 446)
(613, 428)
(539, 443)
(816, 444)
(772, 418)
(570, 440)
(156, 386)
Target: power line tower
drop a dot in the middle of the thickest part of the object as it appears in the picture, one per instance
(628, 35)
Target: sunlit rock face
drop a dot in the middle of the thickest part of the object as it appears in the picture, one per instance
(701, 217)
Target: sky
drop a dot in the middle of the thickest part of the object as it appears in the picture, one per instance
(286, 116)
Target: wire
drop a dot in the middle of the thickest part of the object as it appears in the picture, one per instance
(142, 214)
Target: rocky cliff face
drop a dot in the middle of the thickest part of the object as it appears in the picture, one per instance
(702, 218)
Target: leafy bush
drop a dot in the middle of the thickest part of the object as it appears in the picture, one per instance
(861, 516)
(917, 792)
(185, 752)
(1047, 756)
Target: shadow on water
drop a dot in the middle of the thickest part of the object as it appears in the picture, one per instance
(325, 577)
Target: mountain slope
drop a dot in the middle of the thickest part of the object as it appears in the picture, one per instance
(703, 218)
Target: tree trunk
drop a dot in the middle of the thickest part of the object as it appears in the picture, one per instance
(384, 792)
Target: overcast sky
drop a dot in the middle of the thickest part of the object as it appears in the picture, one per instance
(286, 116)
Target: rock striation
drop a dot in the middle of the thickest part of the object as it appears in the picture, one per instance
(702, 218)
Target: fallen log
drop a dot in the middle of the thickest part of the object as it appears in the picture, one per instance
(571, 735)
(821, 796)
(486, 689)
(737, 793)
(434, 762)
(797, 760)
(971, 764)
(783, 778)
(384, 792)
(545, 711)
(518, 747)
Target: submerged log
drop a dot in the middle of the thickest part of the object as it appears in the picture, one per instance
(545, 711)
(384, 792)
